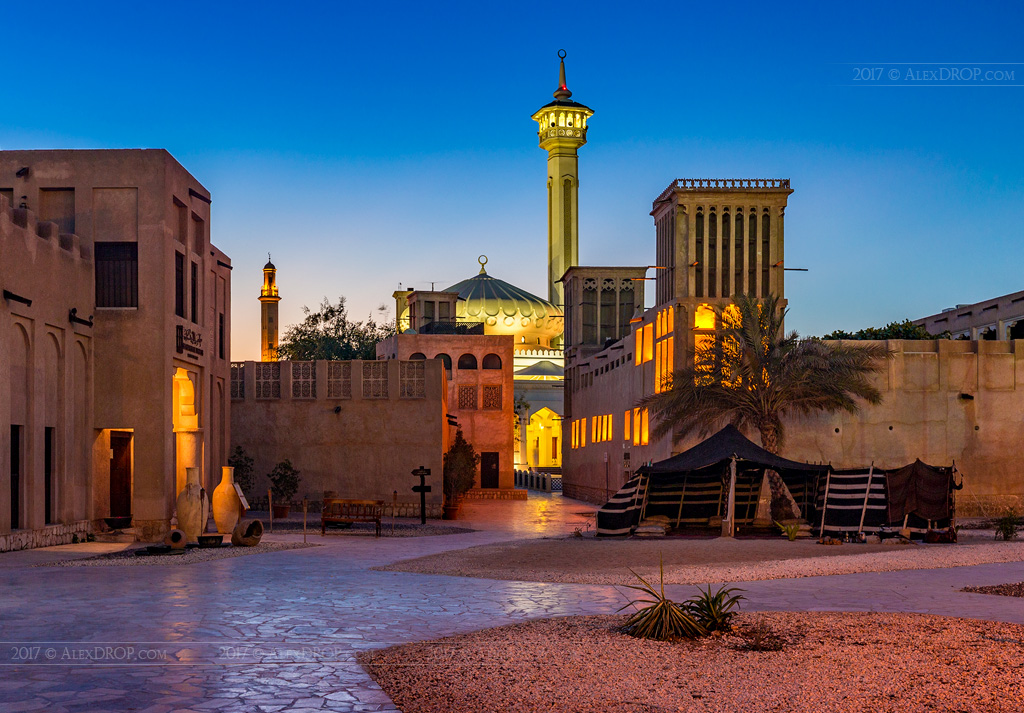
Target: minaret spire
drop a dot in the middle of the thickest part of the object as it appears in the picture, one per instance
(269, 297)
(562, 131)
(563, 91)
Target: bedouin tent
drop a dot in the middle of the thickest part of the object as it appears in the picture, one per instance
(918, 497)
(693, 487)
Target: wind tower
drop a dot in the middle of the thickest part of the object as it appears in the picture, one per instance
(562, 130)
(268, 312)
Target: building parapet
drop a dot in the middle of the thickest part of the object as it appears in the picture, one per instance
(724, 184)
(48, 231)
(344, 380)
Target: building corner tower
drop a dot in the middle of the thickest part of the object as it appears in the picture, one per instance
(269, 298)
(562, 130)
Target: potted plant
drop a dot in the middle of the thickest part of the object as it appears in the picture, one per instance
(284, 483)
(460, 464)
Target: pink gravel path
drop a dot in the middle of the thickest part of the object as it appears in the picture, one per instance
(831, 663)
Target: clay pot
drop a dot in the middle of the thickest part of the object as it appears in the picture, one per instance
(192, 506)
(175, 539)
(227, 508)
(247, 533)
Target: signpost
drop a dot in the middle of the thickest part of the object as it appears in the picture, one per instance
(422, 489)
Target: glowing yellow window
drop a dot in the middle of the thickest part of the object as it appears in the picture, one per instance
(639, 346)
(608, 428)
(643, 429)
(648, 342)
(705, 318)
(583, 432)
(636, 427)
(670, 320)
(626, 421)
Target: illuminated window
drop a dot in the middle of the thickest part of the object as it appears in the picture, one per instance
(593, 429)
(639, 346)
(583, 432)
(705, 317)
(626, 429)
(643, 429)
(636, 427)
(648, 342)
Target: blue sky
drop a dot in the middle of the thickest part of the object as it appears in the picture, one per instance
(367, 146)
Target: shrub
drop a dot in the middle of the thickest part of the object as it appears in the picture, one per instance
(760, 637)
(460, 464)
(243, 466)
(284, 481)
(1006, 526)
(790, 531)
(714, 612)
(659, 617)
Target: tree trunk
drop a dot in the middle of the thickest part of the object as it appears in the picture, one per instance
(784, 507)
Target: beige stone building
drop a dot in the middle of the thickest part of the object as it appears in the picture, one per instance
(995, 318)
(355, 427)
(46, 360)
(479, 371)
(160, 310)
(943, 401)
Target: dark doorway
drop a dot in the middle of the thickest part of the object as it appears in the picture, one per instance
(488, 469)
(48, 472)
(15, 477)
(120, 474)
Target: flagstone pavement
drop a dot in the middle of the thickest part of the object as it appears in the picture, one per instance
(280, 631)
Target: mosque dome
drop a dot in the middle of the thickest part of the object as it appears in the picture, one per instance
(507, 309)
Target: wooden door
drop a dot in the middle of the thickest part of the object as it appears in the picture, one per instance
(488, 469)
(120, 474)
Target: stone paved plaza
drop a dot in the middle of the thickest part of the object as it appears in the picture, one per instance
(280, 631)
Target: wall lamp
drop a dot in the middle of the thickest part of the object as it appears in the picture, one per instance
(790, 269)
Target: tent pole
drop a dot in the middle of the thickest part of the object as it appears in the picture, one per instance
(682, 496)
(643, 506)
(867, 493)
(728, 524)
(824, 504)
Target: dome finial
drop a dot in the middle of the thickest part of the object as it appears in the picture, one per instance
(563, 91)
(483, 261)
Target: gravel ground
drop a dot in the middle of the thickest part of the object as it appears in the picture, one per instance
(1007, 590)
(692, 561)
(128, 558)
(830, 662)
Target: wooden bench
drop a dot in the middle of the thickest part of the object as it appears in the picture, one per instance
(349, 511)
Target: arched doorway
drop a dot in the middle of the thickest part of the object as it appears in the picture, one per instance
(188, 449)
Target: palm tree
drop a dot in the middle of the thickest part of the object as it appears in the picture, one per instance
(753, 375)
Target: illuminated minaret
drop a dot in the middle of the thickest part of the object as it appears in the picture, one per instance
(562, 130)
(268, 309)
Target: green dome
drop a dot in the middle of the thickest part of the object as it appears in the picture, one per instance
(507, 309)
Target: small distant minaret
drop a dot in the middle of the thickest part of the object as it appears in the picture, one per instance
(562, 130)
(268, 308)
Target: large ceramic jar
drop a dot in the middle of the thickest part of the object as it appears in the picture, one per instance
(227, 508)
(191, 506)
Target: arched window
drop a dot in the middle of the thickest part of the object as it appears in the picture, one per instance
(418, 356)
(492, 361)
(467, 361)
(447, 361)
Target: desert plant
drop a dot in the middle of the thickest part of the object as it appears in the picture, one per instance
(243, 465)
(1006, 526)
(460, 463)
(790, 530)
(760, 637)
(284, 481)
(714, 611)
(658, 617)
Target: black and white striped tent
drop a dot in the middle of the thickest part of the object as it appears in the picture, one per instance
(917, 496)
(691, 488)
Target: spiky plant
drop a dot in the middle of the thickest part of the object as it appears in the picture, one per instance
(752, 374)
(714, 610)
(658, 617)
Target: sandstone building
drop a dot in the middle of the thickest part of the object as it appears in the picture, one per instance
(153, 396)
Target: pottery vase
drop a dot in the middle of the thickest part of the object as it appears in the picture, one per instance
(227, 508)
(191, 506)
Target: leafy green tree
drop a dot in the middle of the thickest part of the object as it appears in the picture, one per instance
(330, 334)
(284, 481)
(894, 330)
(460, 464)
(754, 374)
(243, 465)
